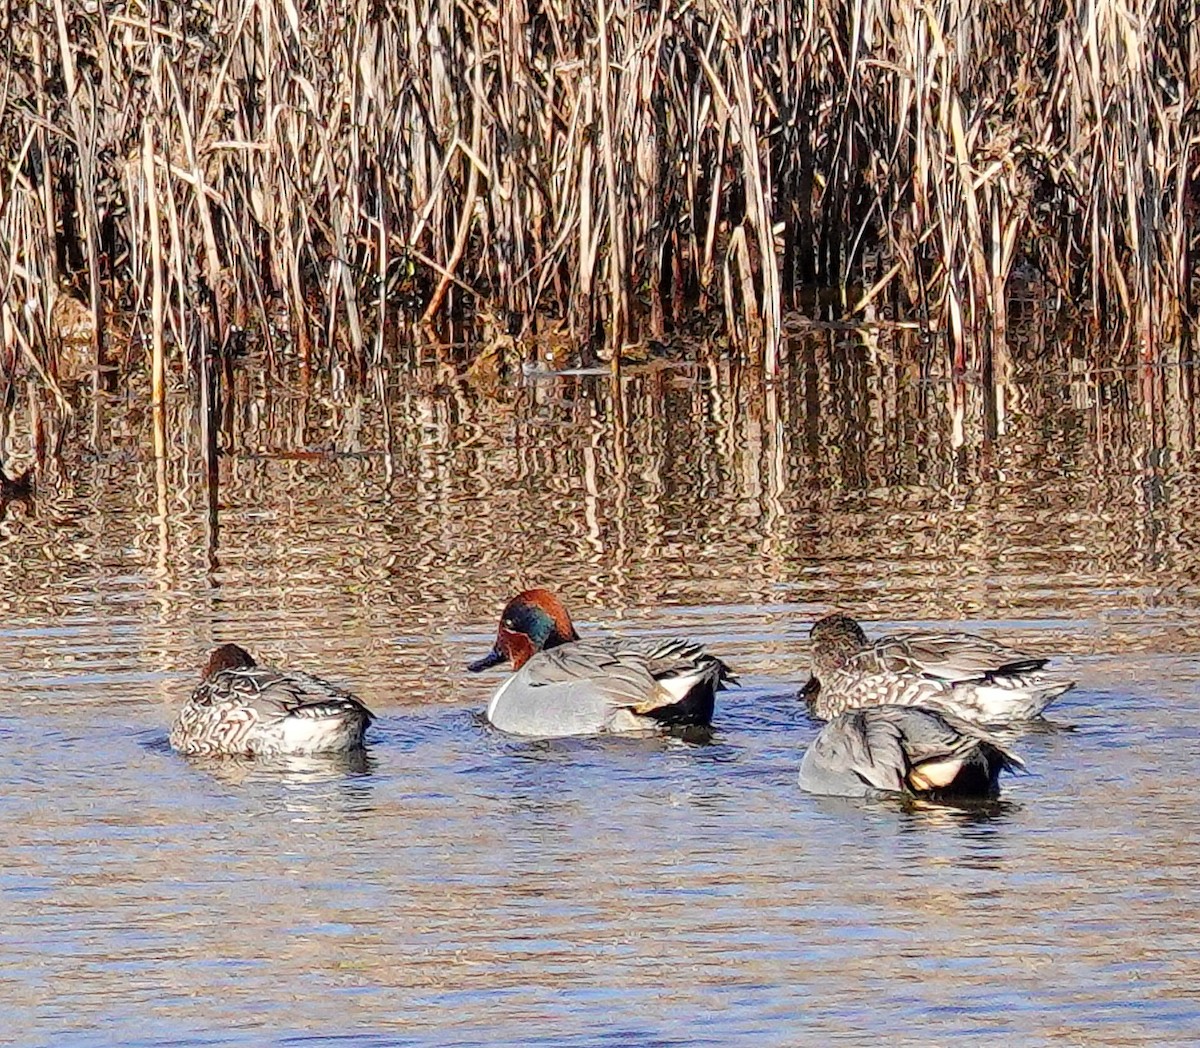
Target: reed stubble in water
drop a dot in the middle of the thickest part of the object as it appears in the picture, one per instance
(620, 168)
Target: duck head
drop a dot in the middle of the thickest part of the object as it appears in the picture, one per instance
(532, 621)
(836, 638)
(227, 657)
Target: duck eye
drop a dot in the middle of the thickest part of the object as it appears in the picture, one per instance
(509, 622)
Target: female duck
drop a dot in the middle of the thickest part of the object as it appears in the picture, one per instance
(16, 489)
(969, 677)
(903, 749)
(241, 708)
(566, 686)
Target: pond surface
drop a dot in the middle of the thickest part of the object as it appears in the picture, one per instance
(455, 886)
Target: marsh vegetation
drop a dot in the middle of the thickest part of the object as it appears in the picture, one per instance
(337, 179)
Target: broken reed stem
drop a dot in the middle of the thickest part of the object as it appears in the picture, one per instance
(467, 217)
(321, 179)
(767, 313)
(85, 177)
(158, 366)
(617, 265)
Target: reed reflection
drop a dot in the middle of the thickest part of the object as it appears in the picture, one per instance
(860, 477)
(368, 531)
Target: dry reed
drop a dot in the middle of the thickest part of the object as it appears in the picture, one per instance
(321, 172)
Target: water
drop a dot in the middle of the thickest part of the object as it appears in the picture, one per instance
(454, 886)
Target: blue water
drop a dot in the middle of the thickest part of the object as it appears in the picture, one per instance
(455, 886)
(452, 886)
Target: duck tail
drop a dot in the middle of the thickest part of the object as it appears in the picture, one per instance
(970, 768)
(694, 690)
(1016, 698)
(696, 707)
(1004, 759)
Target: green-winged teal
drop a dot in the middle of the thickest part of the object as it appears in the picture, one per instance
(903, 749)
(242, 708)
(562, 685)
(967, 676)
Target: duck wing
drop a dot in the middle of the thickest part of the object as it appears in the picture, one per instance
(946, 753)
(670, 659)
(899, 749)
(952, 657)
(932, 735)
(271, 694)
(622, 674)
(889, 742)
(688, 680)
(671, 681)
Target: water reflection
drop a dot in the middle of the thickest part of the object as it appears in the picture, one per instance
(940, 814)
(289, 769)
(920, 813)
(683, 485)
(600, 892)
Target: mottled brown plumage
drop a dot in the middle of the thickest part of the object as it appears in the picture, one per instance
(245, 709)
(967, 676)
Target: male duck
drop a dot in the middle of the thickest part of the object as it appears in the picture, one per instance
(566, 686)
(241, 708)
(969, 677)
(903, 749)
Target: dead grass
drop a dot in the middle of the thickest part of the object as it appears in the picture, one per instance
(323, 172)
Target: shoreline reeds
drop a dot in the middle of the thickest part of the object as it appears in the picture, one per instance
(322, 173)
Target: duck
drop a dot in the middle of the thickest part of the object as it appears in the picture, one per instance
(909, 750)
(563, 686)
(240, 708)
(969, 677)
(18, 488)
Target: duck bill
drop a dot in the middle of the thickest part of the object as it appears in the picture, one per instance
(492, 658)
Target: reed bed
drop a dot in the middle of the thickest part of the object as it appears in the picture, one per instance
(326, 174)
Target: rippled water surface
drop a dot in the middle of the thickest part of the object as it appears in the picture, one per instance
(455, 886)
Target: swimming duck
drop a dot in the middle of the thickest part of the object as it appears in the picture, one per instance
(242, 708)
(904, 749)
(562, 685)
(969, 677)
